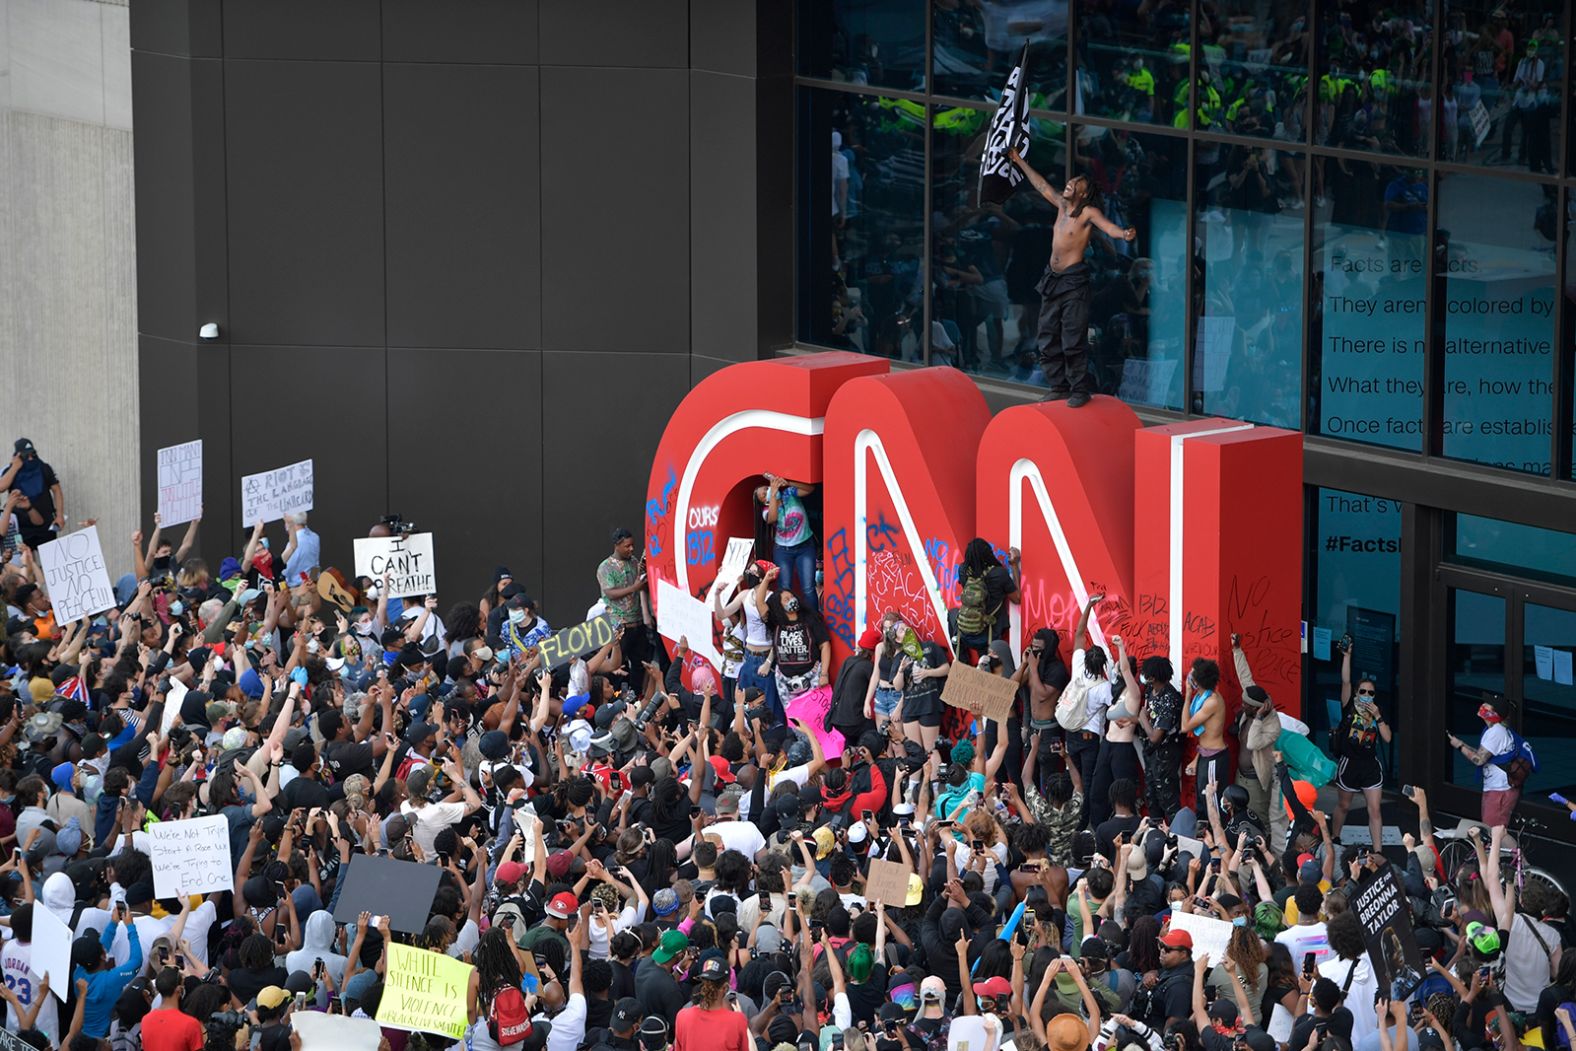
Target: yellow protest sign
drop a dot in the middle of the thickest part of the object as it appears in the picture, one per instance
(425, 992)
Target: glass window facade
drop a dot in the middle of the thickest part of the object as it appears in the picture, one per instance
(1350, 215)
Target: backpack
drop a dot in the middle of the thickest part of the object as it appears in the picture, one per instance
(508, 1022)
(1518, 761)
(1072, 708)
(973, 621)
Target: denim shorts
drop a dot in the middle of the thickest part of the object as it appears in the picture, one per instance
(887, 699)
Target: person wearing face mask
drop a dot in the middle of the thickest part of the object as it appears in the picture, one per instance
(161, 557)
(801, 646)
(523, 629)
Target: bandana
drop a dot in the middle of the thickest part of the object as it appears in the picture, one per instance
(1488, 714)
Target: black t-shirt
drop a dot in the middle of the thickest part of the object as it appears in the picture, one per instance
(305, 792)
(36, 486)
(923, 696)
(798, 643)
(998, 585)
(344, 758)
(1105, 835)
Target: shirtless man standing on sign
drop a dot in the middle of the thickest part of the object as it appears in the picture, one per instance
(1064, 290)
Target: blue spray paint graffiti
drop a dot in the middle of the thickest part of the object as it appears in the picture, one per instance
(656, 511)
(838, 594)
(880, 534)
(700, 548)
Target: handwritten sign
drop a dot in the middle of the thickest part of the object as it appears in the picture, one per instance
(407, 559)
(733, 562)
(425, 992)
(191, 856)
(1209, 934)
(180, 483)
(679, 615)
(810, 708)
(888, 882)
(325, 1032)
(979, 692)
(564, 646)
(269, 496)
(52, 951)
(75, 575)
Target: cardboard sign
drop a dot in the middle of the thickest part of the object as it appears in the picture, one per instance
(979, 692)
(75, 576)
(888, 882)
(425, 992)
(52, 951)
(326, 1032)
(269, 496)
(740, 548)
(401, 890)
(1386, 919)
(180, 483)
(810, 708)
(191, 856)
(407, 559)
(679, 615)
(565, 645)
(1209, 934)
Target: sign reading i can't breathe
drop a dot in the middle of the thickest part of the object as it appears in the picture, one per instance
(407, 560)
(75, 575)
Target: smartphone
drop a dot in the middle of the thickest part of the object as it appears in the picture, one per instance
(335, 1007)
(694, 811)
(300, 1001)
(180, 961)
(16, 854)
(1406, 790)
(1307, 964)
(317, 968)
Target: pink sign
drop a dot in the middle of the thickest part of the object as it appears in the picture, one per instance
(810, 708)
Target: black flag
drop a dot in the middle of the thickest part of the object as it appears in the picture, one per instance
(1009, 129)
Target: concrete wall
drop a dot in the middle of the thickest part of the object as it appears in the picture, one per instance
(68, 324)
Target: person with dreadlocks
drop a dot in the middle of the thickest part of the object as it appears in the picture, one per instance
(497, 1009)
(1064, 290)
(712, 1022)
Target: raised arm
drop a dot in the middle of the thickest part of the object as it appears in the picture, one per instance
(1037, 180)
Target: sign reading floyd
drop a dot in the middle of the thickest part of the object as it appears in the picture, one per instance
(911, 466)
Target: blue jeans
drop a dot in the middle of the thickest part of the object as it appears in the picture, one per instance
(750, 675)
(796, 570)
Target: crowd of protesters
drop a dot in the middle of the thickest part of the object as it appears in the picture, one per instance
(636, 852)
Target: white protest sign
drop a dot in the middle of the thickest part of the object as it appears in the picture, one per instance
(679, 614)
(180, 483)
(269, 496)
(733, 563)
(1210, 936)
(52, 951)
(191, 856)
(173, 698)
(75, 575)
(325, 1032)
(408, 560)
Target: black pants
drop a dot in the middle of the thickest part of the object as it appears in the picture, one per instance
(1209, 767)
(1083, 751)
(1064, 328)
(1117, 759)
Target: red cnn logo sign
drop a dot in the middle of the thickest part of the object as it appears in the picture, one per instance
(1193, 531)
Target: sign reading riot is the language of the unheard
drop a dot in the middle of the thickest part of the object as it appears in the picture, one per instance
(1009, 130)
(407, 560)
(75, 576)
(1386, 918)
(269, 496)
(564, 646)
(180, 483)
(191, 856)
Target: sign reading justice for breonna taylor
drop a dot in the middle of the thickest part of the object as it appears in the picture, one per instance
(1009, 130)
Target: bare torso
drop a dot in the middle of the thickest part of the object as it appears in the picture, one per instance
(1071, 239)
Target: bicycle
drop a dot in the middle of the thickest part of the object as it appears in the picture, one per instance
(1515, 868)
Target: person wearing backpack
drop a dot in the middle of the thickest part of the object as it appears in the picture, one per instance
(985, 587)
(500, 1020)
(1504, 757)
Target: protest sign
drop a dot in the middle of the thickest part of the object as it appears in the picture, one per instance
(269, 496)
(325, 1032)
(973, 1033)
(425, 992)
(1189, 845)
(1385, 916)
(680, 616)
(173, 699)
(979, 692)
(733, 562)
(810, 708)
(180, 483)
(1009, 130)
(14, 1043)
(52, 952)
(887, 882)
(565, 645)
(191, 856)
(406, 558)
(401, 890)
(1210, 936)
(75, 576)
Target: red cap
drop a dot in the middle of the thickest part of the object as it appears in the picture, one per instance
(510, 872)
(1303, 859)
(870, 639)
(719, 765)
(993, 987)
(559, 863)
(1177, 939)
(563, 905)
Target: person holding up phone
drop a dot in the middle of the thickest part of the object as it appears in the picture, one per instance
(105, 980)
(167, 1027)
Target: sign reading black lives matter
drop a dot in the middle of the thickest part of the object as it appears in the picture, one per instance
(1009, 130)
(1386, 919)
(407, 559)
(564, 646)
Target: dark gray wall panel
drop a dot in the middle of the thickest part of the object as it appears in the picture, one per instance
(439, 478)
(615, 33)
(305, 148)
(602, 416)
(197, 376)
(177, 27)
(312, 29)
(722, 36)
(724, 295)
(486, 31)
(462, 184)
(615, 210)
(346, 438)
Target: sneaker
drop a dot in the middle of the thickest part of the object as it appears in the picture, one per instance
(1057, 395)
(1078, 400)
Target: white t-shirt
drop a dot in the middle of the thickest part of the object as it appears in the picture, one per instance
(16, 963)
(569, 1025)
(965, 855)
(601, 938)
(742, 836)
(1359, 992)
(1496, 741)
(1303, 939)
(428, 821)
(1526, 964)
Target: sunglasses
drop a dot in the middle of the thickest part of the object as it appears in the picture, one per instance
(1365, 693)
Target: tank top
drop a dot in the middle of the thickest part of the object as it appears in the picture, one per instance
(755, 635)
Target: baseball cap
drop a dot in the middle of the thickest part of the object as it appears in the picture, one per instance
(509, 872)
(713, 968)
(1258, 1040)
(670, 945)
(1224, 1012)
(916, 890)
(559, 863)
(272, 996)
(720, 766)
(1177, 939)
(563, 905)
(626, 1014)
(1309, 872)
(1483, 939)
(993, 987)
(653, 1034)
(665, 902)
(932, 989)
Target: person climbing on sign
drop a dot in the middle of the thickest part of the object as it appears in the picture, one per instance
(1064, 290)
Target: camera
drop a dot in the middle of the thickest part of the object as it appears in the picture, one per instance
(649, 710)
(397, 524)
